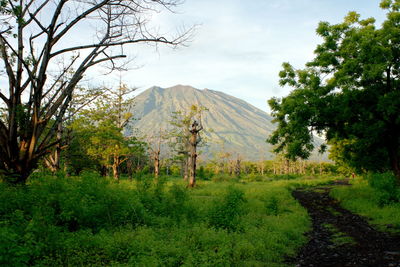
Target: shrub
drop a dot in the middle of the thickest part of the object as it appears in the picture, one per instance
(272, 206)
(385, 184)
(203, 174)
(226, 213)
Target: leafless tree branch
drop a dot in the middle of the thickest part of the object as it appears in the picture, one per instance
(33, 39)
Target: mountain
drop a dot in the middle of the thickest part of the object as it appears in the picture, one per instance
(234, 125)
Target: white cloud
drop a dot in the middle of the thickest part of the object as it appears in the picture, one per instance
(240, 45)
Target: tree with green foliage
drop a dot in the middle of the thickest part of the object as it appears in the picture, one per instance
(34, 37)
(102, 126)
(82, 97)
(349, 93)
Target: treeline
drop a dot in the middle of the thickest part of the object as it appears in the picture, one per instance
(213, 169)
(98, 137)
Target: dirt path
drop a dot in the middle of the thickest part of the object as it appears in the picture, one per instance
(341, 238)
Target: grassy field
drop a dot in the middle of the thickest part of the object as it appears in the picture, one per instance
(376, 197)
(88, 220)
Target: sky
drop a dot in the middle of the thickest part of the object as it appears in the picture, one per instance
(238, 46)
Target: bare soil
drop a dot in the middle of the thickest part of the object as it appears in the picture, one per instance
(340, 237)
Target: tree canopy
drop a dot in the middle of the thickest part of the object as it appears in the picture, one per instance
(349, 93)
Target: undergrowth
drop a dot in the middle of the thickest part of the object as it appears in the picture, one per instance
(376, 197)
(92, 221)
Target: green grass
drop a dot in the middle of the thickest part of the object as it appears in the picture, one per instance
(365, 200)
(90, 220)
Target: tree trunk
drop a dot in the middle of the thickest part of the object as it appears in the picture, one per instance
(103, 171)
(115, 172)
(237, 168)
(52, 161)
(49, 162)
(193, 142)
(66, 168)
(287, 166)
(156, 163)
(394, 161)
(193, 156)
(182, 170)
(186, 169)
(57, 152)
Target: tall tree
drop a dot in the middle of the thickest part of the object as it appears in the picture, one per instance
(194, 140)
(185, 139)
(82, 97)
(33, 36)
(349, 92)
(108, 123)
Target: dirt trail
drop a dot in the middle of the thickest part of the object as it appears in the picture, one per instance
(342, 238)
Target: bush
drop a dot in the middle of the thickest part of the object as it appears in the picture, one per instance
(38, 220)
(272, 206)
(387, 188)
(203, 174)
(226, 213)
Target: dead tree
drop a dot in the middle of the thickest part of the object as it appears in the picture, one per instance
(194, 140)
(34, 35)
(237, 166)
(180, 135)
(155, 151)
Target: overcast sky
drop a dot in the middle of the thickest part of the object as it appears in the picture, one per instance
(239, 45)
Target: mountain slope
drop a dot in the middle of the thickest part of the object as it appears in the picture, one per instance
(236, 126)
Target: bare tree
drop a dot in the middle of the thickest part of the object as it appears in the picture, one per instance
(155, 143)
(185, 139)
(33, 35)
(238, 167)
(194, 140)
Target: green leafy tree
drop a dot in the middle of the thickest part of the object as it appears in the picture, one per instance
(349, 92)
(75, 156)
(109, 146)
(101, 127)
(82, 97)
